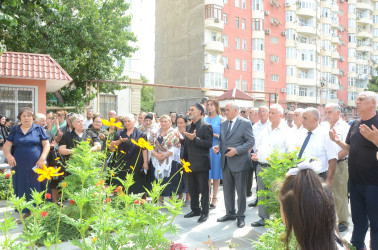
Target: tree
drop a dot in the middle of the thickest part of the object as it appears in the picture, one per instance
(147, 99)
(373, 84)
(86, 37)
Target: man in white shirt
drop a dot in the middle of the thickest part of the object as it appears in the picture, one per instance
(290, 118)
(263, 114)
(253, 115)
(297, 130)
(89, 120)
(317, 144)
(340, 179)
(273, 137)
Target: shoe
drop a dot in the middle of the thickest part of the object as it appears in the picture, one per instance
(186, 204)
(259, 223)
(342, 227)
(240, 223)
(192, 214)
(226, 218)
(203, 218)
(213, 206)
(253, 204)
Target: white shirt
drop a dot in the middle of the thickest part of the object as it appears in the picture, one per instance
(297, 133)
(319, 146)
(341, 128)
(269, 140)
(257, 127)
(87, 123)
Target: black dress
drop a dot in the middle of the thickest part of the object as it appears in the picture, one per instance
(126, 156)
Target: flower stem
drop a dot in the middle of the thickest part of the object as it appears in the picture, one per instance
(60, 215)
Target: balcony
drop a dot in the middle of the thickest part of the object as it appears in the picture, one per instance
(335, 71)
(214, 24)
(306, 12)
(306, 81)
(214, 46)
(335, 55)
(364, 20)
(306, 99)
(363, 33)
(308, 30)
(216, 2)
(364, 5)
(213, 67)
(335, 39)
(291, 98)
(364, 48)
(306, 64)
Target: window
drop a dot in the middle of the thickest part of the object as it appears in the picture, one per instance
(375, 18)
(307, 4)
(257, 84)
(291, 71)
(237, 43)
(244, 4)
(257, 4)
(225, 40)
(374, 44)
(213, 58)
(108, 102)
(225, 83)
(351, 37)
(213, 11)
(291, 89)
(375, 32)
(257, 65)
(352, 67)
(244, 44)
(326, 28)
(213, 80)
(257, 44)
(302, 91)
(351, 23)
(243, 24)
(244, 85)
(326, 61)
(237, 22)
(237, 83)
(244, 65)
(213, 36)
(13, 99)
(225, 1)
(352, 96)
(274, 39)
(257, 24)
(291, 52)
(307, 55)
(237, 64)
(326, 44)
(351, 81)
(290, 16)
(225, 18)
(237, 3)
(225, 61)
(290, 34)
(274, 78)
(274, 58)
(352, 8)
(325, 12)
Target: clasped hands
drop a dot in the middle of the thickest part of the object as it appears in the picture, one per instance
(231, 152)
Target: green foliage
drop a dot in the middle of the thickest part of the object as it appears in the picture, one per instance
(273, 176)
(147, 99)
(274, 238)
(373, 84)
(85, 37)
(4, 186)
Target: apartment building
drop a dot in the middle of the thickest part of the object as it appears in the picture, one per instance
(308, 52)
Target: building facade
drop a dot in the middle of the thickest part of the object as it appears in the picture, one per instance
(309, 52)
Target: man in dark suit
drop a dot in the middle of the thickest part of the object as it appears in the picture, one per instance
(235, 143)
(198, 141)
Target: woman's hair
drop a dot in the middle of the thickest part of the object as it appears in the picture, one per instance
(182, 116)
(166, 117)
(95, 116)
(75, 117)
(62, 113)
(122, 119)
(309, 211)
(216, 104)
(26, 110)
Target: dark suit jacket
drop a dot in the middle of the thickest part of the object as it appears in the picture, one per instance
(241, 138)
(196, 151)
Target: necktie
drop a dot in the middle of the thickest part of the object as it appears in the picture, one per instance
(229, 128)
(304, 145)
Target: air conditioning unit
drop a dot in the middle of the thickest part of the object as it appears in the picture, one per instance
(340, 102)
(341, 1)
(205, 67)
(339, 82)
(203, 44)
(287, 4)
(299, 2)
(283, 90)
(283, 33)
(267, 13)
(268, 31)
(216, 20)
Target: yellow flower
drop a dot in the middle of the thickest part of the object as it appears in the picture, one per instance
(94, 239)
(47, 173)
(112, 123)
(57, 158)
(186, 166)
(142, 143)
(64, 184)
(132, 168)
(268, 159)
(123, 152)
(112, 174)
(297, 148)
(13, 172)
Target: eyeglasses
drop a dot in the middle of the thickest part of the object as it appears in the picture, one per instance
(243, 112)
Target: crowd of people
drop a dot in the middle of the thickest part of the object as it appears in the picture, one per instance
(229, 147)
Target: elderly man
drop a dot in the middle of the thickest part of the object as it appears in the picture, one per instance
(244, 112)
(263, 113)
(297, 130)
(111, 114)
(141, 117)
(363, 170)
(316, 144)
(253, 115)
(235, 144)
(290, 118)
(198, 141)
(89, 120)
(340, 179)
(273, 137)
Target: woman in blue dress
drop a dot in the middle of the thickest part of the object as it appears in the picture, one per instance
(215, 173)
(31, 147)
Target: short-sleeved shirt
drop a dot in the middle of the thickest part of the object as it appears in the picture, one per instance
(70, 139)
(363, 163)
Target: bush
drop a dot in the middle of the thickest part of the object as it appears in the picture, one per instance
(4, 187)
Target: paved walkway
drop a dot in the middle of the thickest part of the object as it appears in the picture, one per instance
(192, 234)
